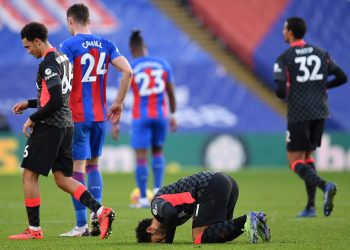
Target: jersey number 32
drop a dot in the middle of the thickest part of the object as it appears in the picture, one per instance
(308, 63)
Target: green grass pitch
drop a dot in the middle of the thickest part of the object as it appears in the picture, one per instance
(279, 193)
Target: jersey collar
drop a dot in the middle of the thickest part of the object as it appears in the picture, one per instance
(48, 50)
(300, 43)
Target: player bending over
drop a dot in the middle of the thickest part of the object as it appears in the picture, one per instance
(209, 198)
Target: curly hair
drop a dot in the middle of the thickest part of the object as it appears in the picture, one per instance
(34, 30)
(141, 234)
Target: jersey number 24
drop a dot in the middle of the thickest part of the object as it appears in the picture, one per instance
(100, 69)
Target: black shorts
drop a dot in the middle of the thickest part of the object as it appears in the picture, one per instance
(217, 202)
(304, 136)
(49, 148)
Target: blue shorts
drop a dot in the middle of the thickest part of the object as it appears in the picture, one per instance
(148, 132)
(88, 140)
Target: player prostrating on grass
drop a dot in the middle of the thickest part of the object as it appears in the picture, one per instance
(151, 85)
(49, 146)
(90, 55)
(301, 73)
(209, 198)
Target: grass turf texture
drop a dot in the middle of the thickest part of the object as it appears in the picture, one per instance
(279, 193)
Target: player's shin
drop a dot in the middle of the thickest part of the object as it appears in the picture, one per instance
(141, 176)
(222, 232)
(307, 174)
(158, 164)
(33, 211)
(95, 182)
(81, 194)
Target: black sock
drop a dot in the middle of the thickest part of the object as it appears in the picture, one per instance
(89, 201)
(309, 176)
(33, 216)
(311, 189)
(225, 231)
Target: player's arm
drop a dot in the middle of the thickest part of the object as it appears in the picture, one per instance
(172, 105)
(281, 90)
(121, 64)
(280, 77)
(19, 107)
(169, 85)
(53, 83)
(170, 215)
(340, 76)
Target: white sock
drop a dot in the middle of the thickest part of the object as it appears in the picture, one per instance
(143, 201)
(83, 228)
(35, 228)
(155, 190)
(99, 211)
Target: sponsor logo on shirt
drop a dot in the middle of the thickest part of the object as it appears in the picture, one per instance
(49, 74)
(155, 210)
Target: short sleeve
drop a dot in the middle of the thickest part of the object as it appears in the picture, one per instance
(169, 71)
(113, 50)
(66, 50)
(279, 70)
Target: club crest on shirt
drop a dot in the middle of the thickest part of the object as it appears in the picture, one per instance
(276, 68)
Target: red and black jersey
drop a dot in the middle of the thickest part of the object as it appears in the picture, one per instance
(176, 203)
(55, 70)
(304, 70)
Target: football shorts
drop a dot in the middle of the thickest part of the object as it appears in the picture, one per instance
(304, 136)
(49, 148)
(88, 140)
(148, 132)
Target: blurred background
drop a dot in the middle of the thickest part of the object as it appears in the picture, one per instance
(222, 53)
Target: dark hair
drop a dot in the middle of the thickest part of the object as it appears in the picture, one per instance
(79, 12)
(298, 26)
(141, 234)
(136, 40)
(34, 30)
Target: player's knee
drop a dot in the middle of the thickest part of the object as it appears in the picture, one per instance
(60, 181)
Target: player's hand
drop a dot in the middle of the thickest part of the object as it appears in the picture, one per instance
(19, 107)
(115, 131)
(173, 124)
(115, 112)
(28, 124)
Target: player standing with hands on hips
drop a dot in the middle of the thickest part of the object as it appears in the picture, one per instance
(49, 146)
(90, 55)
(301, 74)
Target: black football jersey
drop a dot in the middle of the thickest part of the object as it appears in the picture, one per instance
(55, 69)
(305, 69)
(182, 195)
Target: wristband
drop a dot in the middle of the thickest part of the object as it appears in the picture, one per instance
(33, 103)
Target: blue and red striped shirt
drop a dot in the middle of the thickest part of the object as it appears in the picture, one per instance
(90, 56)
(151, 75)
